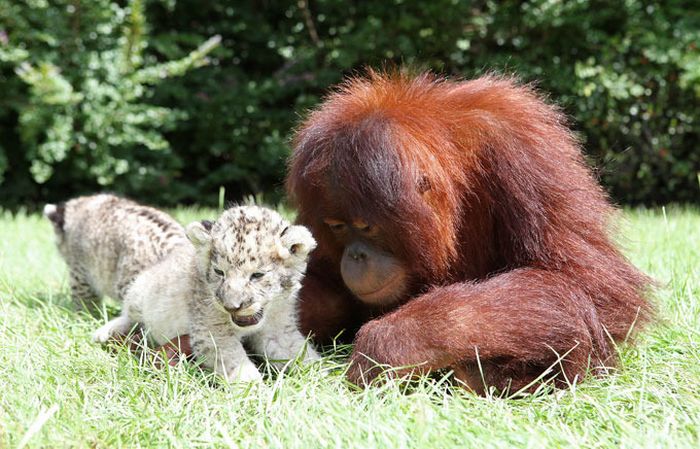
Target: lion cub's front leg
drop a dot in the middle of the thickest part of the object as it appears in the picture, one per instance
(118, 327)
(281, 341)
(221, 350)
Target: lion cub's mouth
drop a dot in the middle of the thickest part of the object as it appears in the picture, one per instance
(247, 320)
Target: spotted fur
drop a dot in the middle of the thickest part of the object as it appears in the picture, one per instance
(108, 241)
(236, 282)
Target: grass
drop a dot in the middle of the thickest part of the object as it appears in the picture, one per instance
(58, 389)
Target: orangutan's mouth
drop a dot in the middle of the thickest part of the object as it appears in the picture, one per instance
(391, 290)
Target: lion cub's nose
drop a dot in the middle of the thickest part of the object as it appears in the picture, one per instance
(237, 308)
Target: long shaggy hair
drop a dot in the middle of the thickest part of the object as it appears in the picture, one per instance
(481, 189)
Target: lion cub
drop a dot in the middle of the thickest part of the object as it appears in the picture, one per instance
(107, 241)
(235, 280)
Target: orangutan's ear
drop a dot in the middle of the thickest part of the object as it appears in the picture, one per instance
(423, 184)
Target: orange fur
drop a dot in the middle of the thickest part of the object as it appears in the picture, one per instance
(482, 192)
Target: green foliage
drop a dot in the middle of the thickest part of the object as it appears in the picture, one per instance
(86, 117)
(96, 106)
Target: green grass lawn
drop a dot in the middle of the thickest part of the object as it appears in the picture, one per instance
(58, 389)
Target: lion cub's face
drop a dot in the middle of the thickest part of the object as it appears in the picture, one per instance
(249, 257)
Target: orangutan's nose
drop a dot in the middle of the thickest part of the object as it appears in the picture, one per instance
(357, 252)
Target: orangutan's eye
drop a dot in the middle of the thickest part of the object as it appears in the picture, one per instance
(257, 275)
(335, 225)
(370, 231)
(219, 272)
(364, 228)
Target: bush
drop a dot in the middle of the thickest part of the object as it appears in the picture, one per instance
(627, 72)
(84, 121)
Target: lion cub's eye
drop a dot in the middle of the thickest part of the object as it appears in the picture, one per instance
(257, 275)
(219, 272)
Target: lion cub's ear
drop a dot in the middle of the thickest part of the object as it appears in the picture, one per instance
(297, 242)
(199, 233)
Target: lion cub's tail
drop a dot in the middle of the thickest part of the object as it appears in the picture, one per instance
(56, 215)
